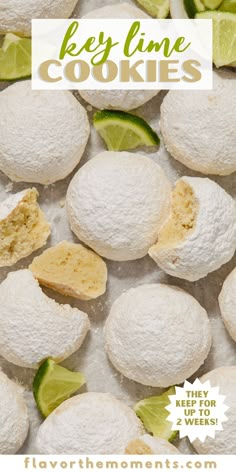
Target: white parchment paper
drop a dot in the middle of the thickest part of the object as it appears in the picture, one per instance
(91, 358)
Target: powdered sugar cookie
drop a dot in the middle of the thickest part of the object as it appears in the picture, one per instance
(116, 204)
(43, 133)
(225, 440)
(34, 327)
(157, 335)
(91, 423)
(16, 15)
(200, 235)
(227, 301)
(14, 416)
(117, 99)
(198, 127)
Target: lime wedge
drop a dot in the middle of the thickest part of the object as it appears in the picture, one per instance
(156, 8)
(153, 414)
(193, 6)
(53, 385)
(228, 5)
(15, 58)
(122, 131)
(212, 4)
(224, 36)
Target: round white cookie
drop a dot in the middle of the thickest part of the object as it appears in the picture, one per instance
(225, 440)
(227, 301)
(14, 423)
(198, 127)
(34, 327)
(122, 11)
(157, 335)
(43, 133)
(117, 203)
(117, 99)
(148, 444)
(90, 423)
(16, 15)
(200, 235)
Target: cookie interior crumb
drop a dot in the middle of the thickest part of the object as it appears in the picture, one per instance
(138, 447)
(184, 210)
(72, 270)
(23, 231)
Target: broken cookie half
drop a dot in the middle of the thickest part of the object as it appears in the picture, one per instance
(33, 327)
(72, 270)
(200, 234)
(148, 444)
(23, 227)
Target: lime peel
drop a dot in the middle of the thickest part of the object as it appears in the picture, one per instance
(53, 385)
(122, 131)
(212, 4)
(193, 6)
(152, 412)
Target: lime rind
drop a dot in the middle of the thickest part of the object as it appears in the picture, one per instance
(212, 4)
(123, 131)
(193, 6)
(153, 414)
(53, 385)
(157, 8)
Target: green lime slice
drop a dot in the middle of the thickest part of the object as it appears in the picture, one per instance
(212, 4)
(153, 414)
(15, 58)
(193, 6)
(53, 385)
(122, 131)
(228, 5)
(224, 36)
(156, 8)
